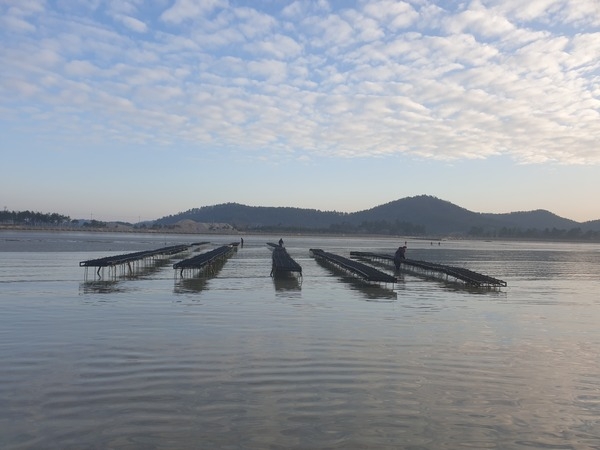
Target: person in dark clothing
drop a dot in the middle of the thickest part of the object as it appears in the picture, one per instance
(399, 256)
(281, 242)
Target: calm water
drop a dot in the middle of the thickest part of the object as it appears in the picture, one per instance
(237, 360)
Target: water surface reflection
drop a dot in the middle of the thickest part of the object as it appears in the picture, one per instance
(231, 364)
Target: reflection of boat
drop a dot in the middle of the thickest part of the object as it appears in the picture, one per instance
(283, 265)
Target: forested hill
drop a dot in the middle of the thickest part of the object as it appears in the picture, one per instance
(242, 216)
(431, 213)
(420, 215)
(33, 218)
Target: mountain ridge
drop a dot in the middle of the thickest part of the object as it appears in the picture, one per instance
(423, 214)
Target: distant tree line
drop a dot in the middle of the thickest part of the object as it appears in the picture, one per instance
(278, 229)
(93, 224)
(394, 228)
(32, 218)
(573, 234)
(384, 227)
(38, 219)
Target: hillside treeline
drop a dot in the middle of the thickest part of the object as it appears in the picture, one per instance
(381, 227)
(400, 228)
(385, 227)
(32, 218)
(550, 234)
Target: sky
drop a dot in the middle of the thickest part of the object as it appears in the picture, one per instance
(132, 109)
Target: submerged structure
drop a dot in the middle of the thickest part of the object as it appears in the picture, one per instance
(466, 276)
(206, 261)
(358, 269)
(282, 263)
(129, 263)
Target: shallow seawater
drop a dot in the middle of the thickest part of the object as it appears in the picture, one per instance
(235, 359)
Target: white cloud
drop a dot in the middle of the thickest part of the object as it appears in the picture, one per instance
(184, 10)
(80, 68)
(330, 32)
(272, 70)
(294, 10)
(26, 7)
(531, 10)
(480, 21)
(132, 23)
(278, 46)
(584, 52)
(383, 78)
(17, 24)
(584, 12)
(22, 87)
(253, 24)
(366, 28)
(124, 7)
(394, 14)
(552, 12)
(16, 15)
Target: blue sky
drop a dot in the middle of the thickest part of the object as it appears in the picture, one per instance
(132, 110)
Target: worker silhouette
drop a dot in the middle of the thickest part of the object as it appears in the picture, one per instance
(399, 256)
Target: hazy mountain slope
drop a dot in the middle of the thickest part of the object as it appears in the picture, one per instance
(593, 225)
(438, 216)
(540, 219)
(435, 215)
(257, 216)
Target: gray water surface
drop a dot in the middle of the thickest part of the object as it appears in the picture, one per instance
(239, 360)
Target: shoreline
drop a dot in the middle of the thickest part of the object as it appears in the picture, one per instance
(234, 232)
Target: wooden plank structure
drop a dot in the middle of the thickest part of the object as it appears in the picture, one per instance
(466, 276)
(129, 262)
(206, 260)
(359, 269)
(282, 263)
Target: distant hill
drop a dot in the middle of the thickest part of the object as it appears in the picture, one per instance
(242, 216)
(435, 215)
(420, 215)
(592, 225)
(539, 218)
